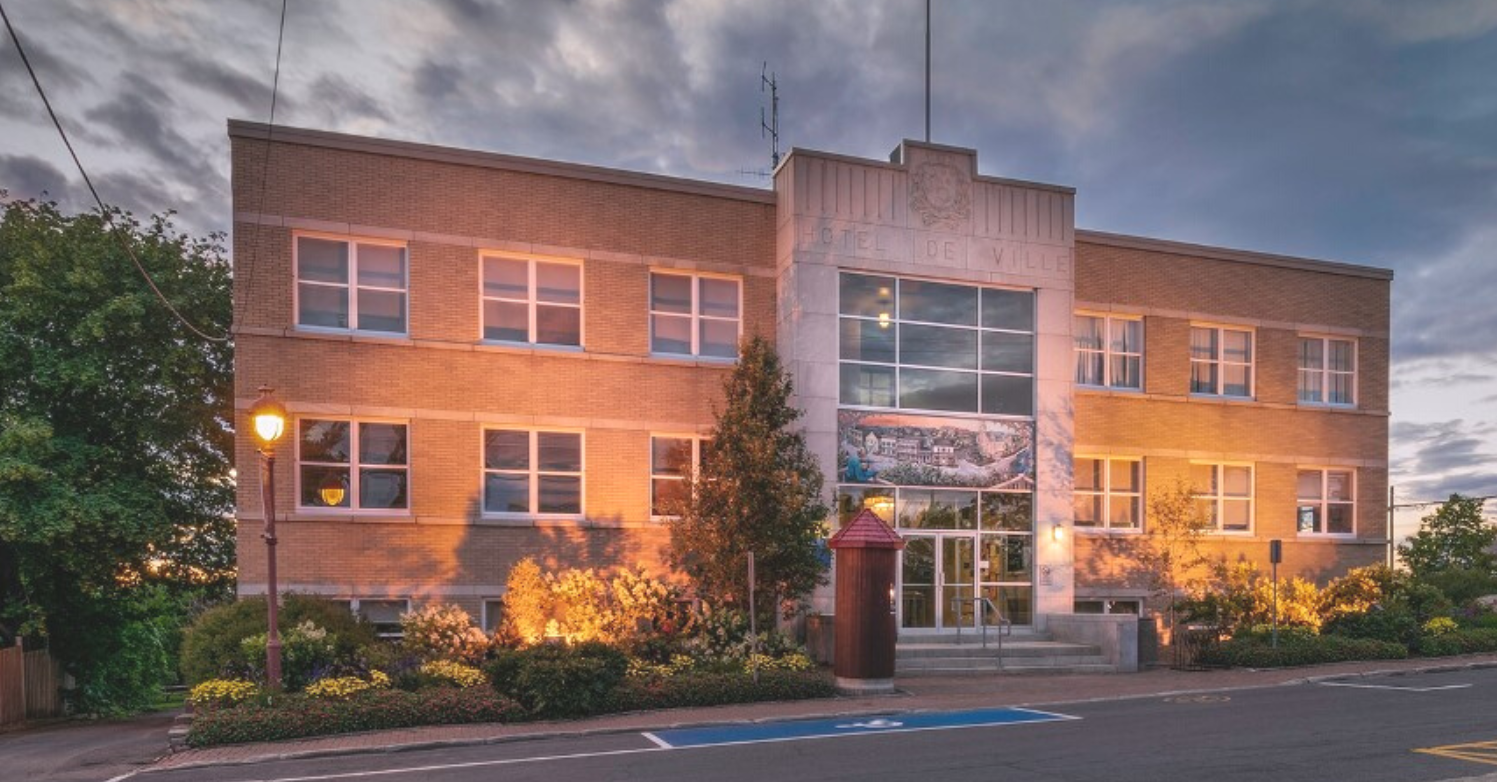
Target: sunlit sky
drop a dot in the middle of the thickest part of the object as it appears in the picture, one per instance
(1362, 131)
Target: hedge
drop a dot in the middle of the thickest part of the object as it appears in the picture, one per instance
(716, 689)
(1470, 641)
(1252, 651)
(300, 716)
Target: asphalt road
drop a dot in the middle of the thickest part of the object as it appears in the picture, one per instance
(1365, 729)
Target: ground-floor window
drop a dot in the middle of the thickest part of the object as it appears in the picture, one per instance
(1109, 605)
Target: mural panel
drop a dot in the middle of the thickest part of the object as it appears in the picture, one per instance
(899, 449)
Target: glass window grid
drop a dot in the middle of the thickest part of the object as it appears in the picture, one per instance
(1109, 495)
(1109, 355)
(894, 321)
(895, 496)
(352, 285)
(384, 630)
(1219, 363)
(354, 467)
(531, 301)
(696, 317)
(696, 464)
(533, 474)
(1214, 497)
(1323, 503)
(1308, 391)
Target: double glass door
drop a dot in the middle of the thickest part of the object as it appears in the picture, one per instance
(938, 581)
(941, 574)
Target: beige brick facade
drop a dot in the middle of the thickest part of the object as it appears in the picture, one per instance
(447, 385)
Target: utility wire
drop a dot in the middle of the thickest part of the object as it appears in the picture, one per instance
(1427, 503)
(275, 88)
(114, 229)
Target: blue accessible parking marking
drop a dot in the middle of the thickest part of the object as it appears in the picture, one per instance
(848, 726)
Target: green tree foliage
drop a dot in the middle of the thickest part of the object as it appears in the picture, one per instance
(759, 489)
(1171, 549)
(115, 435)
(1455, 537)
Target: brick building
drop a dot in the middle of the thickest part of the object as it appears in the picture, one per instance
(489, 357)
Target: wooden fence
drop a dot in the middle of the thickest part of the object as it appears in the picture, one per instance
(30, 685)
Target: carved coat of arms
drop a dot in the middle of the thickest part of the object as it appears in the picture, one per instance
(941, 194)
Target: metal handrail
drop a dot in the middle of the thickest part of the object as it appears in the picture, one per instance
(1005, 626)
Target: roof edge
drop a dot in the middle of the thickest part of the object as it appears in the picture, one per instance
(1230, 254)
(875, 163)
(326, 139)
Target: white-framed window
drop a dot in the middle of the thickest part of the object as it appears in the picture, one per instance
(1221, 361)
(916, 344)
(531, 301)
(491, 614)
(1327, 371)
(1109, 493)
(1108, 605)
(672, 459)
(1109, 351)
(695, 315)
(1327, 502)
(348, 284)
(352, 463)
(383, 613)
(532, 472)
(1224, 493)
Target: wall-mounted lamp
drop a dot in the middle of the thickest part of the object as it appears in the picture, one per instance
(1057, 532)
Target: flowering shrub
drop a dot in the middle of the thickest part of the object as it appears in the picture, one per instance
(344, 686)
(305, 649)
(583, 605)
(454, 673)
(441, 631)
(222, 692)
(298, 716)
(1440, 625)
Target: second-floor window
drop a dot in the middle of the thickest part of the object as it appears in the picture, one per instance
(360, 465)
(1224, 493)
(1221, 361)
(350, 284)
(692, 315)
(1327, 370)
(532, 301)
(532, 472)
(1109, 493)
(1109, 351)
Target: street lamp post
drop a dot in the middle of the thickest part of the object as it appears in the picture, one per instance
(269, 420)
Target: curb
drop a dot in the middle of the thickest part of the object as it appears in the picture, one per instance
(415, 746)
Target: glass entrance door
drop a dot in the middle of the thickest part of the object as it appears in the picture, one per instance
(938, 579)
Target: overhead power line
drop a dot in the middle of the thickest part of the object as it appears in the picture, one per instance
(275, 88)
(114, 229)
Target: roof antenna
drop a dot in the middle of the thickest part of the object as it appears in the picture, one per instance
(772, 127)
(927, 71)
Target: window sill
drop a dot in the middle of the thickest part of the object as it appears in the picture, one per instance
(529, 348)
(1109, 531)
(691, 361)
(1109, 389)
(1326, 406)
(1328, 537)
(351, 335)
(371, 515)
(1222, 398)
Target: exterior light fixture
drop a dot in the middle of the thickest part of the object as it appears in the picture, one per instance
(268, 419)
(1057, 532)
(883, 320)
(882, 506)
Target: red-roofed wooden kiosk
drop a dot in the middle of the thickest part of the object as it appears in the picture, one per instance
(867, 555)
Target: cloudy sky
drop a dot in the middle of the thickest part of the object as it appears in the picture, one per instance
(1357, 130)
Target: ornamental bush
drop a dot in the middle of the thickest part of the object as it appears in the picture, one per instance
(222, 692)
(714, 689)
(299, 716)
(1452, 642)
(306, 651)
(441, 631)
(560, 680)
(1254, 650)
(212, 644)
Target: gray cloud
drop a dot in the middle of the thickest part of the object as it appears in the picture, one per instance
(28, 176)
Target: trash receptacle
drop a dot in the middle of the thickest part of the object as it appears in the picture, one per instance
(867, 556)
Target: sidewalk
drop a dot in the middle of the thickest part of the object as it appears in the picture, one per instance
(916, 694)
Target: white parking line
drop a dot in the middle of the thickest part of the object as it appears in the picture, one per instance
(1394, 687)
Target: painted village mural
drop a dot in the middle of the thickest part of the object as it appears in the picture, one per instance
(897, 449)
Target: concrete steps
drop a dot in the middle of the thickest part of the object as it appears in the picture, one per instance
(1020, 654)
